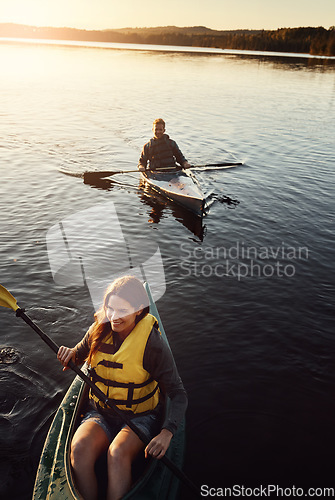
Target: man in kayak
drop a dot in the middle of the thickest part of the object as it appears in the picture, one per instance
(133, 366)
(161, 153)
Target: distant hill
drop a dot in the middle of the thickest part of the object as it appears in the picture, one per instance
(194, 30)
(191, 30)
(317, 41)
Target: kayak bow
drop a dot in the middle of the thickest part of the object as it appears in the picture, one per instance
(180, 186)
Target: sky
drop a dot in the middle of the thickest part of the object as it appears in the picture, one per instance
(215, 14)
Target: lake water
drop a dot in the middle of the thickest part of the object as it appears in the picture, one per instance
(249, 300)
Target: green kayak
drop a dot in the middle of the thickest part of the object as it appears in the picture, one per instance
(54, 479)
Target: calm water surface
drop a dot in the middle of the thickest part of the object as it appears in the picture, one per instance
(250, 292)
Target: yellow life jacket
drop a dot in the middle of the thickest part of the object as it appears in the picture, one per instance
(121, 376)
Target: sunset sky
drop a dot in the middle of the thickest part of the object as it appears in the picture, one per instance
(215, 14)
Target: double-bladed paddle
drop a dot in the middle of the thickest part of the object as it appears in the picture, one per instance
(7, 300)
(90, 176)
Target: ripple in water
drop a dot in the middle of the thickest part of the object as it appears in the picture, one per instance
(9, 355)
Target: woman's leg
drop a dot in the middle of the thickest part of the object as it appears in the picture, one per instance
(121, 453)
(88, 443)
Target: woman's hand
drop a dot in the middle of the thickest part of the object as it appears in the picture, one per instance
(64, 355)
(159, 444)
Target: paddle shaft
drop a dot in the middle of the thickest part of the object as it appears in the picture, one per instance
(107, 173)
(179, 473)
(226, 164)
(89, 176)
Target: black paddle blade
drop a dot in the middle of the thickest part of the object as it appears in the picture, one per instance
(94, 176)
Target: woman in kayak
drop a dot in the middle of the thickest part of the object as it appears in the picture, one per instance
(133, 365)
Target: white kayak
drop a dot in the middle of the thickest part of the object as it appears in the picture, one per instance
(180, 186)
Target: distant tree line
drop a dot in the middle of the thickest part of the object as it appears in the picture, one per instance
(316, 41)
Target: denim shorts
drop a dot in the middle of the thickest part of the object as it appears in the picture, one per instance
(149, 423)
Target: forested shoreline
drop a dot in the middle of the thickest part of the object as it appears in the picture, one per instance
(309, 40)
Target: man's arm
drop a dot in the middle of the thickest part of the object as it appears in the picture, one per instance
(143, 161)
(179, 156)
